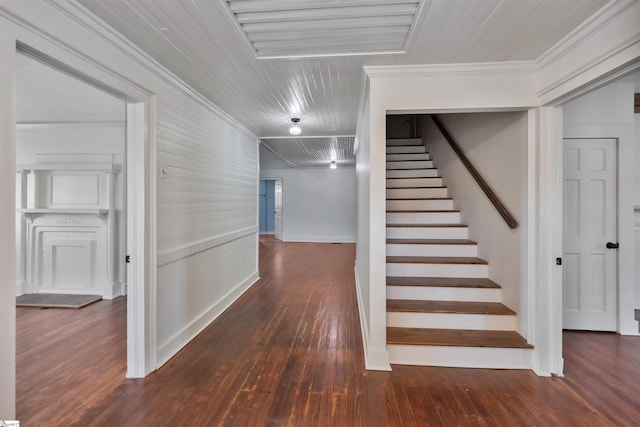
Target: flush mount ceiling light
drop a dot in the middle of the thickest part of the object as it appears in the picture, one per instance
(333, 164)
(295, 128)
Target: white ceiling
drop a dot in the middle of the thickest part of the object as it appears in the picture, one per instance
(307, 152)
(199, 41)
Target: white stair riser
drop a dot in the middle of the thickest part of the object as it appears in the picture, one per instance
(438, 293)
(412, 173)
(437, 270)
(427, 232)
(423, 217)
(408, 156)
(420, 164)
(409, 149)
(489, 322)
(417, 205)
(404, 141)
(404, 249)
(461, 357)
(414, 182)
(416, 193)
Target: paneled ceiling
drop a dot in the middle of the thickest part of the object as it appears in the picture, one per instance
(308, 152)
(210, 45)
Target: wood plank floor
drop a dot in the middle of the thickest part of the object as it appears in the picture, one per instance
(289, 353)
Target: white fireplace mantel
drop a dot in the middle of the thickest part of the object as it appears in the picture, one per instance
(66, 226)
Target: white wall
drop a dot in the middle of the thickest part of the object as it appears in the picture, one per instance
(608, 112)
(496, 144)
(318, 204)
(206, 203)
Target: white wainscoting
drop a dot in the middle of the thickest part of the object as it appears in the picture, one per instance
(194, 290)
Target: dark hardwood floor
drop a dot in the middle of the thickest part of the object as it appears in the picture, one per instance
(289, 353)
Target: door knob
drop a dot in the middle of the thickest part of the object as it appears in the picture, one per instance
(611, 245)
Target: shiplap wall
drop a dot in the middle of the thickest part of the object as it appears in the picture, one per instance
(206, 203)
(207, 219)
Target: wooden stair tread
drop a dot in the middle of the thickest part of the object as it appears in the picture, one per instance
(426, 210)
(427, 225)
(445, 282)
(456, 337)
(412, 188)
(420, 198)
(416, 177)
(435, 260)
(460, 307)
(430, 242)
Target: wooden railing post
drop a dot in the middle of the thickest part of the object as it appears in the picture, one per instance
(493, 197)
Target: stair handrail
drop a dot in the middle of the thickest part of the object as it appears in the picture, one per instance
(493, 197)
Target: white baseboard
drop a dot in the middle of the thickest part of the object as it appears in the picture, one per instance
(21, 287)
(374, 360)
(174, 344)
(112, 291)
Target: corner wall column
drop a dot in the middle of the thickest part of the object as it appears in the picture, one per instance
(547, 336)
(7, 223)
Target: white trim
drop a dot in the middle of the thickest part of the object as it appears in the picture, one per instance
(547, 340)
(452, 70)
(532, 209)
(584, 31)
(183, 251)
(139, 277)
(373, 360)
(176, 342)
(458, 110)
(364, 97)
(92, 124)
(306, 137)
(602, 49)
(92, 23)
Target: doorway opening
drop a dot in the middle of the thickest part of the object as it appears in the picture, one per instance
(270, 207)
(137, 236)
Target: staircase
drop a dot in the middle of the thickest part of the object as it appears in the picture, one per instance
(442, 309)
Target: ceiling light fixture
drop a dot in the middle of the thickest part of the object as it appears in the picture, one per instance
(333, 164)
(295, 128)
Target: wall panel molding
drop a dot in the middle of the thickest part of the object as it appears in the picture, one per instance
(184, 251)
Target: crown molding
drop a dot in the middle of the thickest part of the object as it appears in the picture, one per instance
(452, 70)
(97, 26)
(584, 31)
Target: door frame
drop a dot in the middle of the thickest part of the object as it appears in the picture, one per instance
(546, 123)
(141, 187)
(616, 216)
(281, 221)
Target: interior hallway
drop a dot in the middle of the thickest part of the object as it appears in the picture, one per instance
(289, 353)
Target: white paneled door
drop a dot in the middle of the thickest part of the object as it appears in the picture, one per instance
(590, 234)
(277, 210)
